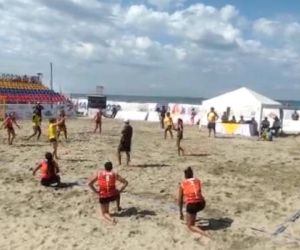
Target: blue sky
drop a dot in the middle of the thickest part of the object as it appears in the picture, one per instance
(155, 47)
(259, 8)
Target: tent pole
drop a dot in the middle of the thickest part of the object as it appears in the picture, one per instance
(260, 119)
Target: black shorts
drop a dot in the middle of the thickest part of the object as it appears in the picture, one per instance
(37, 128)
(53, 140)
(62, 127)
(124, 147)
(108, 199)
(10, 130)
(49, 181)
(211, 125)
(169, 127)
(193, 208)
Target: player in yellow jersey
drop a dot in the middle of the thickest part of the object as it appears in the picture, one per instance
(212, 117)
(168, 121)
(36, 125)
(52, 135)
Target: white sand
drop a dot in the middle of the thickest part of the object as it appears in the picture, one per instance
(254, 184)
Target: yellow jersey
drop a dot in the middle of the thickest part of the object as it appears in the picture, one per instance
(212, 116)
(36, 121)
(168, 121)
(52, 131)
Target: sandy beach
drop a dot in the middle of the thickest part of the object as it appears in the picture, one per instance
(247, 184)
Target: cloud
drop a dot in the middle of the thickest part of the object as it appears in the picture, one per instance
(142, 48)
(162, 4)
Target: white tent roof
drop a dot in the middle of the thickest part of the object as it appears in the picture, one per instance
(240, 97)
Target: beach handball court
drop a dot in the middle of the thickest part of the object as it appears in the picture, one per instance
(251, 189)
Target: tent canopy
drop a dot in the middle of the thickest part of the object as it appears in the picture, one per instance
(239, 98)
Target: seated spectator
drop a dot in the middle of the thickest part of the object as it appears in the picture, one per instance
(224, 118)
(233, 120)
(295, 116)
(242, 121)
(276, 126)
(265, 124)
(267, 135)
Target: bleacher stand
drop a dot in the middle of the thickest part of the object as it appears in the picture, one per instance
(27, 89)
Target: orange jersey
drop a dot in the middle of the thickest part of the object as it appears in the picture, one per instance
(192, 190)
(107, 184)
(44, 170)
(8, 123)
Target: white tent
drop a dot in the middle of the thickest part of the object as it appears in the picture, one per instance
(243, 102)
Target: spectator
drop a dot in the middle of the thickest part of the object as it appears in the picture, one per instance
(233, 120)
(193, 114)
(276, 126)
(255, 126)
(212, 117)
(163, 112)
(114, 111)
(224, 117)
(295, 116)
(265, 124)
(242, 121)
(38, 110)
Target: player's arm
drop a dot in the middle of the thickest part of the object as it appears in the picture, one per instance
(92, 182)
(180, 201)
(123, 181)
(36, 169)
(5, 121)
(15, 122)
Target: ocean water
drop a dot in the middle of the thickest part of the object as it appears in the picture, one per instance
(168, 99)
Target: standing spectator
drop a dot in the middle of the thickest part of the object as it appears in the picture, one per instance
(114, 111)
(276, 126)
(242, 121)
(233, 120)
(193, 115)
(125, 142)
(224, 117)
(295, 116)
(163, 112)
(254, 125)
(212, 117)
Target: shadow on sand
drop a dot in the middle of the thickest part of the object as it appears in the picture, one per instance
(214, 224)
(63, 185)
(76, 160)
(149, 165)
(22, 145)
(197, 154)
(133, 211)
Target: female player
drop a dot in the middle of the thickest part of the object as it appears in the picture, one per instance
(107, 189)
(36, 125)
(190, 191)
(98, 121)
(8, 123)
(62, 125)
(49, 171)
(179, 129)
